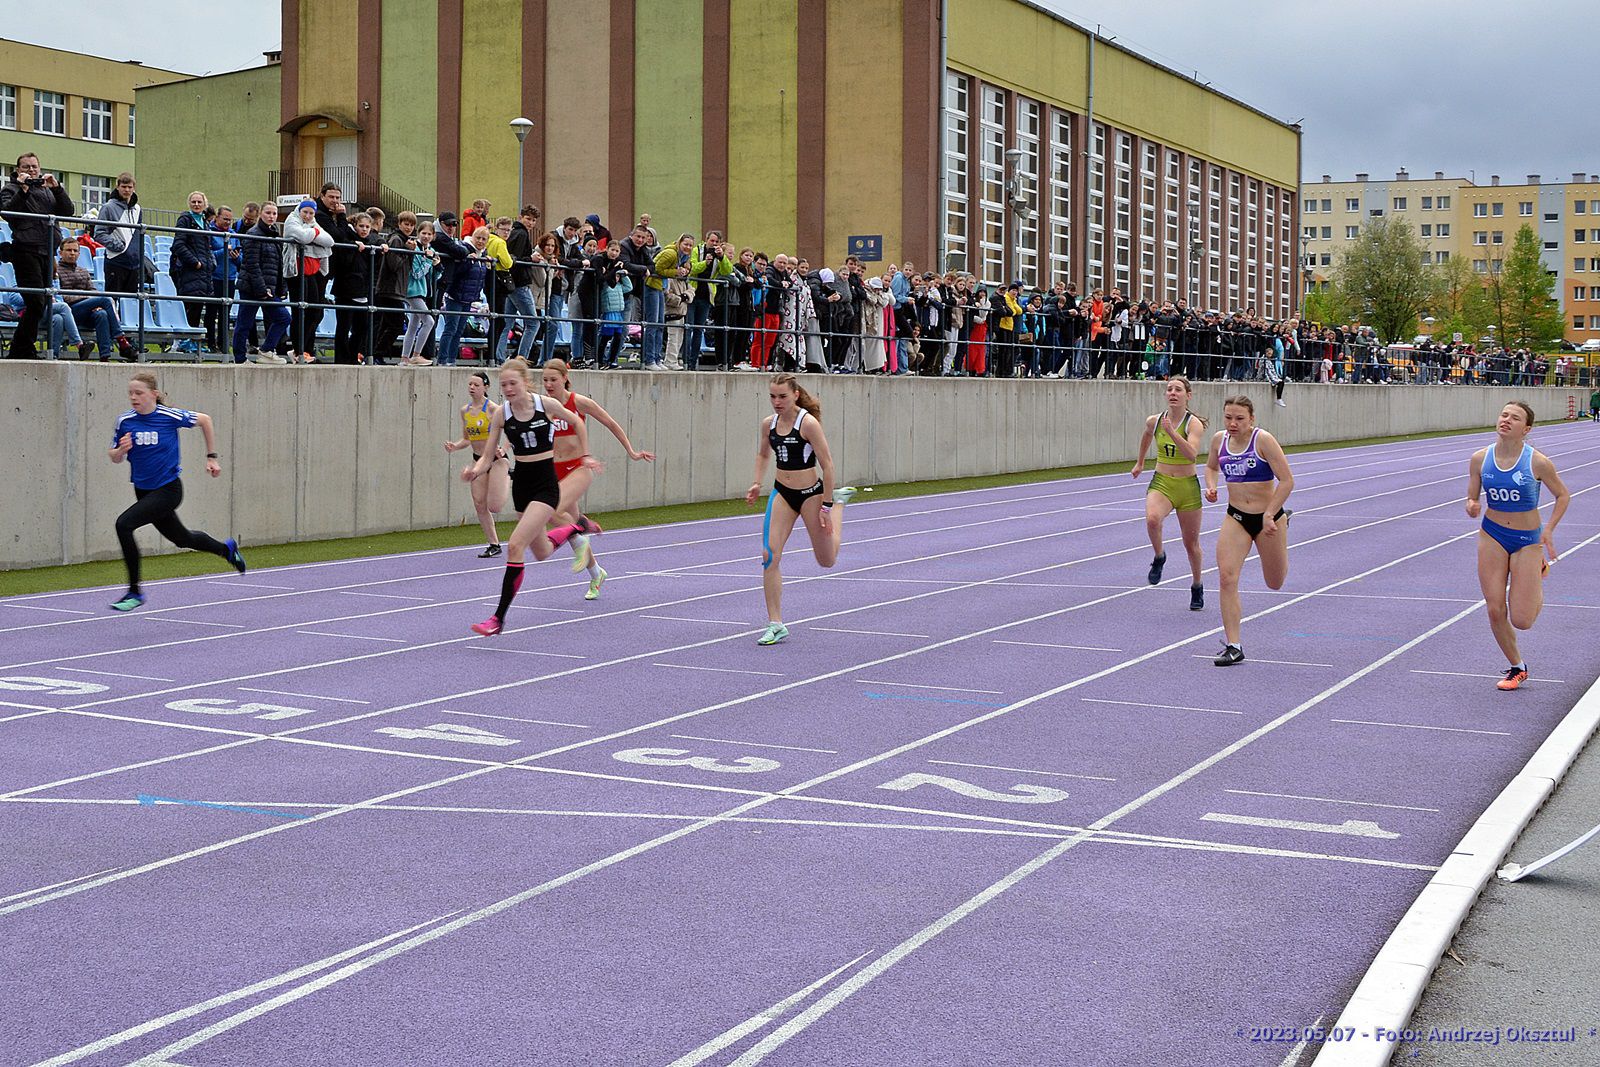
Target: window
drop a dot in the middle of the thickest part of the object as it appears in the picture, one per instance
(8, 111)
(1552, 216)
(96, 191)
(1497, 209)
(1028, 122)
(1594, 265)
(1327, 205)
(1577, 205)
(1310, 233)
(1594, 322)
(1480, 211)
(992, 180)
(1441, 257)
(1580, 235)
(1427, 258)
(1325, 260)
(1594, 207)
(1327, 233)
(1351, 203)
(1427, 230)
(96, 120)
(1480, 266)
(1578, 291)
(1579, 264)
(1376, 213)
(1311, 206)
(1061, 197)
(1577, 322)
(1495, 265)
(1594, 235)
(1352, 232)
(1442, 203)
(49, 113)
(1480, 237)
(130, 124)
(1399, 203)
(1594, 292)
(1427, 203)
(957, 196)
(1498, 237)
(1441, 229)
(1525, 207)
(1552, 246)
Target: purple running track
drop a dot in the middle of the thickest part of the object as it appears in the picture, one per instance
(989, 803)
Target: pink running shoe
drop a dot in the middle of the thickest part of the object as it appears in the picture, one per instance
(488, 627)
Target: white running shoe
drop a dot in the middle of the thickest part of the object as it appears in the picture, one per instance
(269, 357)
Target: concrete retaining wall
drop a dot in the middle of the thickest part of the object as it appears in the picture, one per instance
(326, 452)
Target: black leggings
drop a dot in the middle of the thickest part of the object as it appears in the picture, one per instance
(159, 508)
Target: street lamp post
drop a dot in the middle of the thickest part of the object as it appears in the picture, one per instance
(1018, 204)
(520, 126)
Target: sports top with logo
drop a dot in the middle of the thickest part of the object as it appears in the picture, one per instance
(563, 427)
(477, 423)
(1246, 466)
(793, 451)
(154, 459)
(1166, 448)
(532, 436)
(1513, 489)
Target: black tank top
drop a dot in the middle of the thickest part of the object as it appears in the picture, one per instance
(530, 437)
(792, 450)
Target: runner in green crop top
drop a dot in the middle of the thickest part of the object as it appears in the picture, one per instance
(1177, 433)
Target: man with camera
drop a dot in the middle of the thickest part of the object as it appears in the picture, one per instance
(33, 244)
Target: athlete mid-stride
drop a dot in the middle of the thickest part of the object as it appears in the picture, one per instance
(793, 435)
(1177, 433)
(1514, 552)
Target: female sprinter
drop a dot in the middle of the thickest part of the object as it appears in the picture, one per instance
(488, 492)
(1513, 552)
(574, 477)
(1250, 459)
(527, 421)
(147, 436)
(1177, 433)
(794, 435)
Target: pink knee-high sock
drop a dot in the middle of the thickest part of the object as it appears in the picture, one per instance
(559, 535)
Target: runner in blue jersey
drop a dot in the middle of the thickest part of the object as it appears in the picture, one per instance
(1514, 552)
(147, 437)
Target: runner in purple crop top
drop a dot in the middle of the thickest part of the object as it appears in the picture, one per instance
(1259, 481)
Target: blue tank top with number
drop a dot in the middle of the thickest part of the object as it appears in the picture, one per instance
(1515, 489)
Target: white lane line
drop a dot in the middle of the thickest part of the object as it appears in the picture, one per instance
(353, 637)
(525, 651)
(58, 885)
(1047, 644)
(869, 633)
(1415, 726)
(1350, 827)
(734, 1035)
(250, 585)
(1292, 1057)
(940, 688)
(25, 706)
(1464, 674)
(28, 714)
(115, 674)
(41, 607)
(544, 607)
(1278, 662)
(192, 622)
(513, 718)
(306, 696)
(125, 767)
(754, 744)
(1331, 800)
(713, 622)
(719, 670)
(391, 596)
(1168, 707)
(1020, 770)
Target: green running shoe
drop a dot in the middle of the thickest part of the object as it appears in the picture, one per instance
(776, 631)
(580, 552)
(131, 601)
(843, 494)
(595, 583)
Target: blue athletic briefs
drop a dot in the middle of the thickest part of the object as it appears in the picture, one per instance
(153, 462)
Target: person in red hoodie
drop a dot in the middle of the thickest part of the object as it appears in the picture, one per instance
(475, 216)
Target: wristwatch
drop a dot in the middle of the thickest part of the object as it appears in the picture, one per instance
(212, 455)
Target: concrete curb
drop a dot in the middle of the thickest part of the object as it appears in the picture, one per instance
(1382, 1004)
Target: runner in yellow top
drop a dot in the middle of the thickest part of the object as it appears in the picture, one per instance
(488, 492)
(1177, 433)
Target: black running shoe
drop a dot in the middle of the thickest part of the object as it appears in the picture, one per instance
(1197, 598)
(1231, 654)
(491, 551)
(1155, 568)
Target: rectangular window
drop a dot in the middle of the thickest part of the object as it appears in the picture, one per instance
(1594, 265)
(1442, 229)
(1427, 230)
(1579, 264)
(1594, 235)
(1481, 266)
(96, 120)
(1594, 207)
(8, 107)
(1480, 211)
(1525, 207)
(1497, 209)
(49, 113)
(1399, 203)
(1327, 205)
(1480, 237)
(1552, 246)
(1376, 213)
(1580, 236)
(96, 191)
(1326, 260)
(1442, 203)
(1594, 292)
(957, 196)
(991, 185)
(1495, 265)
(1352, 232)
(1061, 196)
(1498, 237)
(130, 124)
(1026, 255)
(1552, 216)
(1311, 206)
(1577, 322)
(1310, 232)
(1427, 203)
(1577, 205)
(1441, 257)
(1327, 233)
(1352, 204)
(1594, 322)
(1578, 292)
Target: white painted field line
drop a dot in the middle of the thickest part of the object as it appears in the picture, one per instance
(352, 637)
(1292, 1057)
(547, 607)
(1414, 726)
(305, 696)
(25, 706)
(940, 688)
(250, 585)
(513, 718)
(41, 607)
(525, 651)
(1166, 707)
(58, 783)
(1331, 800)
(714, 622)
(754, 744)
(116, 674)
(869, 633)
(27, 714)
(1047, 644)
(1275, 662)
(389, 596)
(1020, 770)
(57, 885)
(719, 670)
(192, 622)
(1465, 674)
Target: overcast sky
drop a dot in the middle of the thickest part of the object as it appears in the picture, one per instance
(1461, 86)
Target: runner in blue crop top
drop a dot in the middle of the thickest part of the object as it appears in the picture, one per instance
(1514, 553)
(1259, 482)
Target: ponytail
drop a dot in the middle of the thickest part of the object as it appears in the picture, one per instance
(803, 400)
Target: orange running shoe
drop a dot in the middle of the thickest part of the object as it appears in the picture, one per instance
(1514, 678)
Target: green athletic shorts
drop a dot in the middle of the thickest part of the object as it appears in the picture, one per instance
(1183, 492)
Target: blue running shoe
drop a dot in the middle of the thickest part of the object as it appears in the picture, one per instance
(128, 602)
(234, 556)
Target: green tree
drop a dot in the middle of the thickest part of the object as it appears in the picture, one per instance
(1328, 307)
(1460, 303)
(1383, 272)
(1523, 294)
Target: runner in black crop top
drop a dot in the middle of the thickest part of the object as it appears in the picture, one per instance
(791, 450)
(532, 436)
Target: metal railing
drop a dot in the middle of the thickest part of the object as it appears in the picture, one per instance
(358, 186)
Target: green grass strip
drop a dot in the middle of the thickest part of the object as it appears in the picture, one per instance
(182, 564)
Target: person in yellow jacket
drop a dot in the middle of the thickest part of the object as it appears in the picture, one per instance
(1004, 317)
